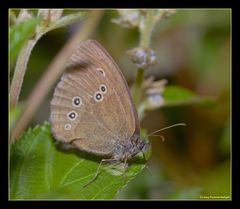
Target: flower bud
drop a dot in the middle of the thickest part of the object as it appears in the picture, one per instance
(142, 57)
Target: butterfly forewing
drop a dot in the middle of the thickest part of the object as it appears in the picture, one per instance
(92, 106)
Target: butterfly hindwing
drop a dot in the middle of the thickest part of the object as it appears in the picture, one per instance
(92, 106)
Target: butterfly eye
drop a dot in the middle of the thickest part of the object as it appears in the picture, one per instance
(72, 115)
(103, 88)
(76, 101)
(100, 71)
(98, 97)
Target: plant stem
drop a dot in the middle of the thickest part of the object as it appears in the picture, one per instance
(145, 36)
(20, 70)
(147, 28)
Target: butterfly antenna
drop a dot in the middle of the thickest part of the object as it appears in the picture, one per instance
(178, 124)
(161, 136)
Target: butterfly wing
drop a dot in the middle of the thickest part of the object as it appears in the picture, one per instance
(92, 106)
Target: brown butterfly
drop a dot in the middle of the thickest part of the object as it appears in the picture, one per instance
(92, 107)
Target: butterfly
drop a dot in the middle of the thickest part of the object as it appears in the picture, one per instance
(92, 107)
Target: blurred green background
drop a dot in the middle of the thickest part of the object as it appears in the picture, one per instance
(193, 51)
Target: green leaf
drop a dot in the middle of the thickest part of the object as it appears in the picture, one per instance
(39, 170)
(19, 34)
(174, 95)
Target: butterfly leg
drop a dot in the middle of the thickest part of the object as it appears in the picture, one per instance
(103, 161)
(144, 158)
(125, 167)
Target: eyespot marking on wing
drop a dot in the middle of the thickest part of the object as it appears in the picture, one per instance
(76, 101)
(72, 115)
(103, 88)
(100, 71)
(67, 126)
(98, 97)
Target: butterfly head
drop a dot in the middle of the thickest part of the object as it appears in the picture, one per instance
(128, 148)
(141, 144)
